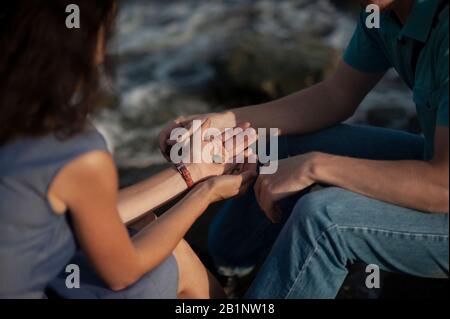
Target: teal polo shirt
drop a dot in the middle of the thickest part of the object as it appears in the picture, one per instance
(394, 45)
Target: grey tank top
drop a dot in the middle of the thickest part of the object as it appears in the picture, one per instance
(35, 243)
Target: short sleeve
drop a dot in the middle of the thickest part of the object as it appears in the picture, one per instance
(365, 52)
(442, 92)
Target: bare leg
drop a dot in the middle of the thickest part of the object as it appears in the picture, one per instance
(195, 281)
(142, 222)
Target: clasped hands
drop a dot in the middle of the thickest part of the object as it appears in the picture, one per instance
(229, 177)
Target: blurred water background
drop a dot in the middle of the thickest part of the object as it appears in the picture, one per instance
(179, 57)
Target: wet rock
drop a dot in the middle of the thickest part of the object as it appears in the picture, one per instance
(346, 5)
(388, 117)
(398, 117)
(413, 125)
(274, 66)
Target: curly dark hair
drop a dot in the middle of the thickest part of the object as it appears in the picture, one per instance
(43, 63)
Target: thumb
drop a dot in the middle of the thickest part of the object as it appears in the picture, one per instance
(248, 176)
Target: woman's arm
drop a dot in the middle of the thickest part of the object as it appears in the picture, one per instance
(143, 197)
(139, 199)
(89, 188)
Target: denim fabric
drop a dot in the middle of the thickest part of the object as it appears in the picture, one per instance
(306, 256)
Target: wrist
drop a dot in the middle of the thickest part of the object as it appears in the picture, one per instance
(316, 165)
(210, 191)
(206, 190)
(197, 172)
(185, 173)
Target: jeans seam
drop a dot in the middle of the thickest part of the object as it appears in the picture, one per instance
(309, 259)
(393, 232)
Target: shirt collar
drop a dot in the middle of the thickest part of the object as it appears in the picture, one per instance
(420, 22)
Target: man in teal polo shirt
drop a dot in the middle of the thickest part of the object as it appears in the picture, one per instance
(388, 200)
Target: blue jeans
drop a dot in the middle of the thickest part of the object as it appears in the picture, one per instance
(306, 256)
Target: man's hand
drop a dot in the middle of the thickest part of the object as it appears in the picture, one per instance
(220, 121)
(294, 175)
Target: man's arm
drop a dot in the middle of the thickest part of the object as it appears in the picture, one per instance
(420, 185)
(320, 106)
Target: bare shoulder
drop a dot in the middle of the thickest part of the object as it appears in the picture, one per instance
(91, 166)
(91, 175)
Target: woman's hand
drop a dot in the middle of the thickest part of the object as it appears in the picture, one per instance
(218, 154)
(228, 186)
(294, 175)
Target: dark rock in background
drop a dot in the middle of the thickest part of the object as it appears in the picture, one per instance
(346, 5)
(392, 117)
(253, 65)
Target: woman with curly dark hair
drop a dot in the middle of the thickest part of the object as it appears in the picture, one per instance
(58, 182)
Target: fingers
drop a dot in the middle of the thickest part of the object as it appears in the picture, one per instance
(257, 188)
(205, 125)
(238, 141)
(237, 169)
(243, 126)
(250, 163)
(165, 136)
(248, 176)
(248, 166)
(166, 141)
(190, 130)
(232, 185)
(242, 147)
(240, 135)
(247, 179)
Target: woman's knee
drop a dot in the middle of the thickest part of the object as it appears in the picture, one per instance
(183, 254)
(194, 279)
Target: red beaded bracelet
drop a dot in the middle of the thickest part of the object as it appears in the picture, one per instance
(183, 170)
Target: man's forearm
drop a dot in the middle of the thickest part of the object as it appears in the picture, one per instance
(414, 184)
(320, 106)
(306, 111)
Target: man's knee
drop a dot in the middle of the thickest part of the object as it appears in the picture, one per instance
(316, 209)
(313, 223)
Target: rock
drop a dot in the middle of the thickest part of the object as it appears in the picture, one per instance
(346, 5)
(275, 66)
(388, 117)
(414, 125)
